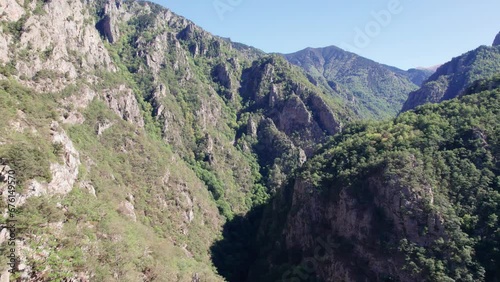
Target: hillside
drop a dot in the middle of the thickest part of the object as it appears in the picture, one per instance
(136, 146)
(135, 135)
(453, 78)
(374, 90)
(413, 199)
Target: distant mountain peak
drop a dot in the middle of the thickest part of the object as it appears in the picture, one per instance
(497, 40)
(433, 68)
(374, 90)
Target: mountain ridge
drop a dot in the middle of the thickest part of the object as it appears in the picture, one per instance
(148, 149)
(125, 121)
(373, 89)
(453, 77)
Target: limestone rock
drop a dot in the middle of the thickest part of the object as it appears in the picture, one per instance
(325, 117)
(87, 185)
(222, 75)
(103, 126)
(114, 13)
(4, 47)
(63, 175)
(126, 208)
(123, 102)
(73, 105)
(71, 47)
(294, 116)
(5, 276)
(11, 10)
(251, 127)
(344, 216)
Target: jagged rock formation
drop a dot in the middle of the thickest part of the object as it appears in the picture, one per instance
(123, 102)
(453, 78)
(124, 121)
(496, 42)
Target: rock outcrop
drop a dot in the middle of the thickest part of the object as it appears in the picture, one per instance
(59, 32)
(64, 175)
(346, 219)
(123, 102)
(496, 42)
(11, 10)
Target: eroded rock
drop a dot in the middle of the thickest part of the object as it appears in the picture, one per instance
(123, 102)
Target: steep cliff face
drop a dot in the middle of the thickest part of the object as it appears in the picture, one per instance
(374, 90)
(453, 78)
(496, 42)
(393, 201)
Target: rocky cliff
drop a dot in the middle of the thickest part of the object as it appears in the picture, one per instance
(133, 144)
(496, 42)
(452, 79)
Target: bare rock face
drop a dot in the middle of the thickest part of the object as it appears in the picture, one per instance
(75, 104)
(325, 116)
(123, 102)
(4, 47)
(294, 116)
(69, 47)
(127, 208)
(155, 52)
(222, 75)
(64, 175)
(109, 24)
(497, 40)
(11, 10)
(251, 127)
(344, 216)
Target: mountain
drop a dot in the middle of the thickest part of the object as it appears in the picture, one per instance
(136, 146)
(411, 199)
(134, 135)
(452, 78)
(374, 90)
(419, 75)
(496, 42)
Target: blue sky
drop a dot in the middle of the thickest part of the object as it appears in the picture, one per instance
(402, 33)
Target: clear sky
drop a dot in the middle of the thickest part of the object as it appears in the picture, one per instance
(402, 33)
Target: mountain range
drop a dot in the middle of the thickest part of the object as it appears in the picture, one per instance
(136, 146)
(373, 90)
(451, 79)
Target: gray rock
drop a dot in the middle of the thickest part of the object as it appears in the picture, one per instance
(497, 40)
(222, 75)
(4, 47)
(64, 175)
(66, 33)
(126, 208)
(11, 10)
(123, 102)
